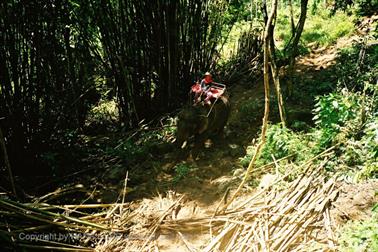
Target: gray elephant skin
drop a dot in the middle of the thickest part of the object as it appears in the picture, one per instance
(196, 121)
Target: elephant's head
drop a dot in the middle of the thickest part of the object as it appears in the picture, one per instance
(191, 121)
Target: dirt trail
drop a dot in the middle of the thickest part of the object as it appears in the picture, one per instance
(213, 172)
(323, 57)
(219, 168)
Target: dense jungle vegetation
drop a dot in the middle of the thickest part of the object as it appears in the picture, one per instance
(91, 92)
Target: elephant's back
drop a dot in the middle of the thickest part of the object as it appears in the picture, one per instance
(219, 115)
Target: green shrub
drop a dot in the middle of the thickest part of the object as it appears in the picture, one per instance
(182, 170)
(104, 111)
(355, 71)
(362, 7)
(280, 142)
(360, 235)
(250, 110)
(367, 153)
(332, 112)
(320, 27)
(143, 142)
(326, 29)
(350, 120)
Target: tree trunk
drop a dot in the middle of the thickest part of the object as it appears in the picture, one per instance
(276, 79)
(294, 45)
(273, 65)
(291, 18)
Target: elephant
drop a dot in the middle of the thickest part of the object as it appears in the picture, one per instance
(202, 122)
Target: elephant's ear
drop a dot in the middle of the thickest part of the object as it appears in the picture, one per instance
(203, 123)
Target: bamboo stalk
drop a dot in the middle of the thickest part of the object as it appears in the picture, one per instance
(6, 161)
(186, 243)
(157, 222)
(46, 206)
(45, 216)
(218, 238)
(124, 192)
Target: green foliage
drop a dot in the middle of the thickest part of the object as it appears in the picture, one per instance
(143, 143)
(105, 115)
(357, 65)
(241, 53)
(362, 7)
(332, 112)
(105, 110)
(360, 235)
(182, 170)
(346, 118)
(280, 142)
(239, 10)
(319, 28)
(230, 46)
(366, 7)
(349, 115)
(367, 152)
(250, 110)
(350, 120)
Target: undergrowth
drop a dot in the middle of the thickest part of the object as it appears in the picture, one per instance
(181, 171)
(346, 118)
(360, 235)
(317, 30)
(144, 142)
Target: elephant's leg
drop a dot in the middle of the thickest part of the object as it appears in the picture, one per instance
(181, 154)
(198, 145)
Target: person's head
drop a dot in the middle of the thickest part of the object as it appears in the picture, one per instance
(208, 77)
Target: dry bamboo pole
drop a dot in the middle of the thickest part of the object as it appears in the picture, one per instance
(267, 36)
(59, 192)
(272, 163)
(229, 240)
(45, 206)
(245, 240)
(328, 225)
(124, 192)
(49, 217)
(311, 200)
(159, 221)
(215, 241)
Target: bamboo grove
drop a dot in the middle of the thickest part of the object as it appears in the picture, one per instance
(55, 56)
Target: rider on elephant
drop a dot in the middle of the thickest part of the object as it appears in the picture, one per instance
(205, 88)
